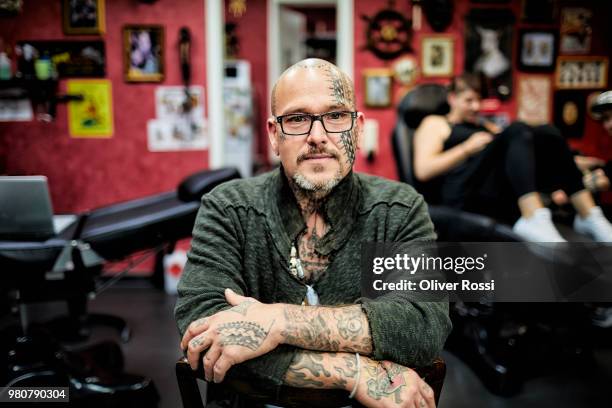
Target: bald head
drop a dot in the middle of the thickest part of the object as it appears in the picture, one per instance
(340, 85)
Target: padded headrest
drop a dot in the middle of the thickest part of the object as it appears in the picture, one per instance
(195, 186)
(423, 100)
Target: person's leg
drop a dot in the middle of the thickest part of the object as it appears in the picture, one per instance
(516, 155)
(556, 169)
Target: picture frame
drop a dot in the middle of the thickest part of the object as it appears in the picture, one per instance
(574, 72)
(537, 50)
(83, 17)
(534, 99)
(576, 30)
(570, 107)
(377, 86)
(143, 53)
(489, 45)
(437, 56)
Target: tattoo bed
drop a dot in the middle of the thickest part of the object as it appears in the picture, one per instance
(66, 267)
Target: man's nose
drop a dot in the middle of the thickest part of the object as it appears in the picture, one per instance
(317, 133)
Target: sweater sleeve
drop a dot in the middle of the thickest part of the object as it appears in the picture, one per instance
(403, 330)
(214, 263)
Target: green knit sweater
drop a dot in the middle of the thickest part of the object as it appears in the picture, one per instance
(242, 240)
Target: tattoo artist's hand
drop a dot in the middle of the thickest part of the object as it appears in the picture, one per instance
(386, 384)
(232, 336)
(477, 142)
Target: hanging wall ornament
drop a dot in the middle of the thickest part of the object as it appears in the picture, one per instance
(388, 33)
(439, 13)
(237, 7)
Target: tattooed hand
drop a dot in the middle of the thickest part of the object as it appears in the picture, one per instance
(386, 384)
(232, 336)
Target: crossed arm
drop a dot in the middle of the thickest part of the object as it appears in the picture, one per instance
(328, 338)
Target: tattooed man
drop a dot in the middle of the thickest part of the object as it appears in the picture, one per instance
(271, 290)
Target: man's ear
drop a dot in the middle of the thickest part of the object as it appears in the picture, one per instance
(359, 123)
(273, 135)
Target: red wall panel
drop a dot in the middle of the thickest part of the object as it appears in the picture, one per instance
(88, 173)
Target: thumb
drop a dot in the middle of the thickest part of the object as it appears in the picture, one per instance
(233, 298)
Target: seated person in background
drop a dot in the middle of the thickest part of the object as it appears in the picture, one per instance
(290, 240)
(502, 174)
(602, 111)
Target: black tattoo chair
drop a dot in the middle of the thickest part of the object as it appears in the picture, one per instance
(242, 394)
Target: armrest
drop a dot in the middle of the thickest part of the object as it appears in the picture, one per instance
(289, 397)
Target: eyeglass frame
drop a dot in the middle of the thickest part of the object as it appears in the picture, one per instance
(313, 119)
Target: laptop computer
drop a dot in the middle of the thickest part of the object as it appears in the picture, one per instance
(25, 208)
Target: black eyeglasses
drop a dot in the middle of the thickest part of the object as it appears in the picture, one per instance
(297, 124)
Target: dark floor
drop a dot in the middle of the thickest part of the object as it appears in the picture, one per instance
(153, 350)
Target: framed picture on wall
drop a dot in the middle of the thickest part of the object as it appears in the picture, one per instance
(377, 85)
(576, 30)
(570, 112)
(143, 53)
(83, 16)
(581, 73)
(437, 56)
(534, 99)
(537, 50)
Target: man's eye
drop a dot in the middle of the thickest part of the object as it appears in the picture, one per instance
(296, 119)
(336, 115)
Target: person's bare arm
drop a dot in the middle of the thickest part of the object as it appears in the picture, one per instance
(380, 384)
(430, 159)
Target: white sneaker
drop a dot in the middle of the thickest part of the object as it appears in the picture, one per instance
(538, 228)
(595, 225)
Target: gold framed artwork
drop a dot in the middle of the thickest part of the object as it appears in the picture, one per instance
(581, 72)
(143, 53)
(377, 85)
(83, 17)
(534, 99)
(437, 56)
(91, 117)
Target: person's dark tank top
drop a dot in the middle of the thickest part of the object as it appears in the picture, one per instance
(455, 181)
(460, 132)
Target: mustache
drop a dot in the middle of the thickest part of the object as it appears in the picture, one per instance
(313, 151)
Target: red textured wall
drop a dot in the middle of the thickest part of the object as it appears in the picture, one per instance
(88, 173)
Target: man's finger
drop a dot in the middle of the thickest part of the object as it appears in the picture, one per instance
(427, 395)
(195, 347)
(220, 368)
(194, 329)
(210, 359)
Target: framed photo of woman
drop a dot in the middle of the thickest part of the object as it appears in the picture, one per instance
(143, 53)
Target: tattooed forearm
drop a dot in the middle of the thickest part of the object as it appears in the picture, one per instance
(327, 329)
(242, 333)
(311, 369)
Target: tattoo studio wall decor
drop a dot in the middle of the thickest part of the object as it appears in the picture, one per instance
(437, 56)
(377, 87)
(388, 34)
(537, 50)
(93, 116)
(80, 59)
(439, 13)
(488, 50)
(570, 107)
(405, 71)
(143, 53)
(538, 11)
(83, 16)
(581, 73)
(534, 99)
(576, 30)
(10, 7)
